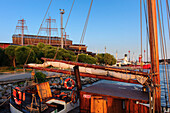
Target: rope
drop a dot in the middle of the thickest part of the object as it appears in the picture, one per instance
(16, 41)
(168, 15)
(84, 29)
(38, 31)
(164, 41)
(86, 23)
(28, 33)
(163, 50)
(5, 101)
(147, 29)
(69, 15)
(141, 28)
(65, 27)
(56, 53)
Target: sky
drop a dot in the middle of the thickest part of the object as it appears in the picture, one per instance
(114, 24)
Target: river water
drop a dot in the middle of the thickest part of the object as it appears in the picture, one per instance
(164, 91)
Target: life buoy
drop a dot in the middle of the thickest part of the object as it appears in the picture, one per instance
(72, 85)
(21, 97)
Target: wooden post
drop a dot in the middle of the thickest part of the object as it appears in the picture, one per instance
(39, 105)
(77, 75)
(153, 41)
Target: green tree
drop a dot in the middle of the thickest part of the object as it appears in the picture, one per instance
(109, 59)
(40, 45)
(40, 77)
(100, 58)
(106, 59)
(1, 56)
(38, 52)
(46, 49)
(50, 53)
(63, 54)
(91, 60)
(86, 59)
(10, 51)
(22, 53)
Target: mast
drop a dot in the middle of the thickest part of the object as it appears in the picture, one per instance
(21, 27)
(153, 41)
(22, 39)
(49, 30)
(62, 12)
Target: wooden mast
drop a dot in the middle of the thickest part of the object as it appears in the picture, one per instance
(153, 40)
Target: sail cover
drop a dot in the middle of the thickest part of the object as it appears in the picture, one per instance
(94, 71)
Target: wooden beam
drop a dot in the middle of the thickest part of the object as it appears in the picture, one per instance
(100, 67)
(85, 75)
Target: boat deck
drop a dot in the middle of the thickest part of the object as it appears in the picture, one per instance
(115, 90)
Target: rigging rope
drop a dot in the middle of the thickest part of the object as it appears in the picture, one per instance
(162, 44)
(168, 15)
(69, 15)
(163, 72)
(164, 79)
(141, 28)
(65, 28)
(38, 32)
(84, 29)
(5, 101)
(86, 23)
(147, 29)
(56, 53)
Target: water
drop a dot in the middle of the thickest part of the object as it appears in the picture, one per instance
(164, 91)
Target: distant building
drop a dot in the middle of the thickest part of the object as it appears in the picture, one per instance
(5, 45)
(34, 40)
(55, 41)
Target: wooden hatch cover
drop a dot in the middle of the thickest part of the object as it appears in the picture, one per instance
(98, 104)
(44, 90)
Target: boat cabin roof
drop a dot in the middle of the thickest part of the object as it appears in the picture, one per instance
(117, 91)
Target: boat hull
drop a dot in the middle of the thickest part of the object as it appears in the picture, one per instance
(13, 109)
(67, 107)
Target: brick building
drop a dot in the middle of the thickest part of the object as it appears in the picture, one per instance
(34, 40)
(55, 41)
(5, 45)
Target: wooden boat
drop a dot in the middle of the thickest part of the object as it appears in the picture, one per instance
(109, 98)
(144, 66)
(39, 98)
(105, 97)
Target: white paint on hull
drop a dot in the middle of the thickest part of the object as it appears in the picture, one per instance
(14, 110)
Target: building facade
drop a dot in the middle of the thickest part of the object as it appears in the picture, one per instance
(34, 40)
(55, 41)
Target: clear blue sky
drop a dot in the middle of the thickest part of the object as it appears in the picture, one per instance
(113, 23)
